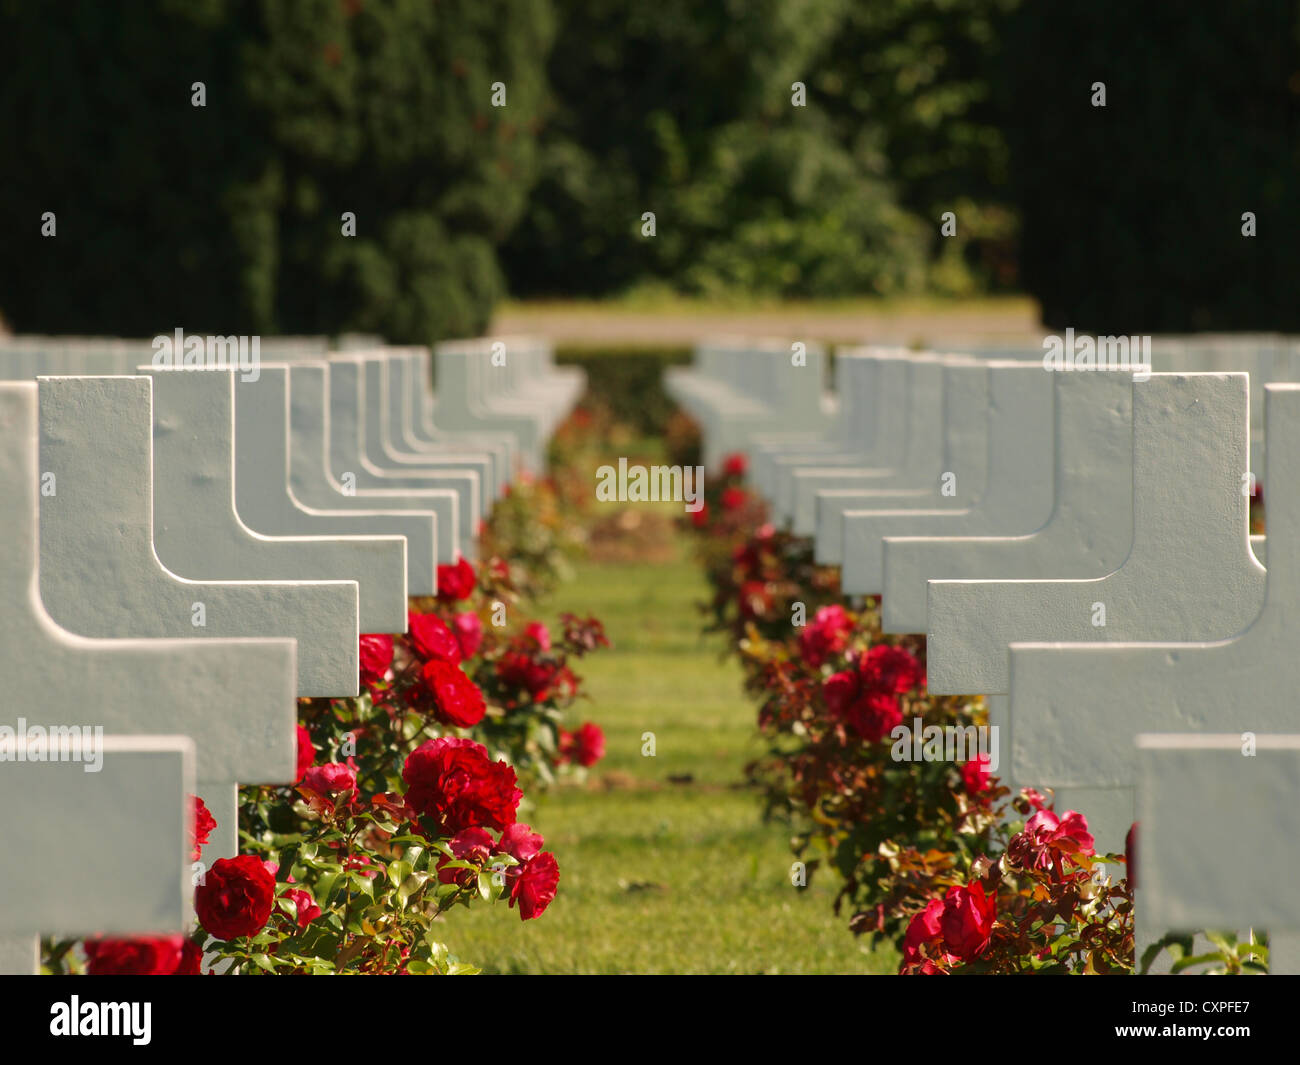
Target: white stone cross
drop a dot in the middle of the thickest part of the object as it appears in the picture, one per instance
(870, 422)
(1019, 483)
(198, 530)
(1089, 530)
(1063, 696)
(1190, 575)
(318, 484)
(404, 388)
(958, 466)
(100, 851)
(922, 447)
(908, 412)
(394, 464)
(235, 698)
(459, 403)
(100, 574)
(1217, 836)
(346, 435)
(265, 498)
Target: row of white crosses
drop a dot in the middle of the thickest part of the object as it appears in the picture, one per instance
(1075, 546)
(188, 551)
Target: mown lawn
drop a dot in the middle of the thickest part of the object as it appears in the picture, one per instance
(665, 864)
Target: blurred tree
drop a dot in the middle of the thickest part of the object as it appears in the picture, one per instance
(227, 217)
(1132, 212)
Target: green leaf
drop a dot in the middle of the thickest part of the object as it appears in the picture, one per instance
(263, 961)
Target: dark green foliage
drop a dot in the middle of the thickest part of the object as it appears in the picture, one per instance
(228, 217)
(629, 380)
(1132, 212)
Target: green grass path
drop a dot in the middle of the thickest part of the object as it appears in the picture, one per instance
(656, 876)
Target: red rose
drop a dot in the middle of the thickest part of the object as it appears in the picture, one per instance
(306, 751)
(455, 582)
(967, 920)
(733, 498)
(308, 911)
(700, 518)
(204, 823)
(1047, 841)
(891, 669)
(923, 930)
(235, 898)
(520, 842)
(376, 657)
(468, 631)
(734, 465)
(517, 669)
(432, 639)
(976, 777)
(755, 600)
(872, 714)
(534, 885)
(454, 782)
(191, 959)
(539, 634)
(827, 635)
(457, 700)
(142, 956)
(586, 745)
(468, 845)
(330, 780)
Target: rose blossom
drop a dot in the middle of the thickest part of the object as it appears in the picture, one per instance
(432, 639)
(892, 669)
(585, 745)
(468, 845)
(329, 780)
(306, 751)
(376, 657)
(976, 777)
(468, 630)
(871, 714)
(826, 636)
(734, 465)
(1047, 841)
(967, 920)
(235, 897)
(539, 634)
(456, 582)
(457, 699)
(534, 884)
(140, 956)
(733, 498)
(453, 782)
(308, 911)
(204, 823)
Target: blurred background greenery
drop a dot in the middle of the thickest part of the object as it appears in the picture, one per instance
(227, 217)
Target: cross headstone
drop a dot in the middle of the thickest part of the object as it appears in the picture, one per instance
(265, 498)
(458, 402)
(1019, 484)
(317, 482)
(1190, 575)
(100, 574)
(235, 697)
(403, 390)
(1217, 835)
(198, 531)
(958, 476)
(104, 851)
(1089, 531)
(394, 463)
